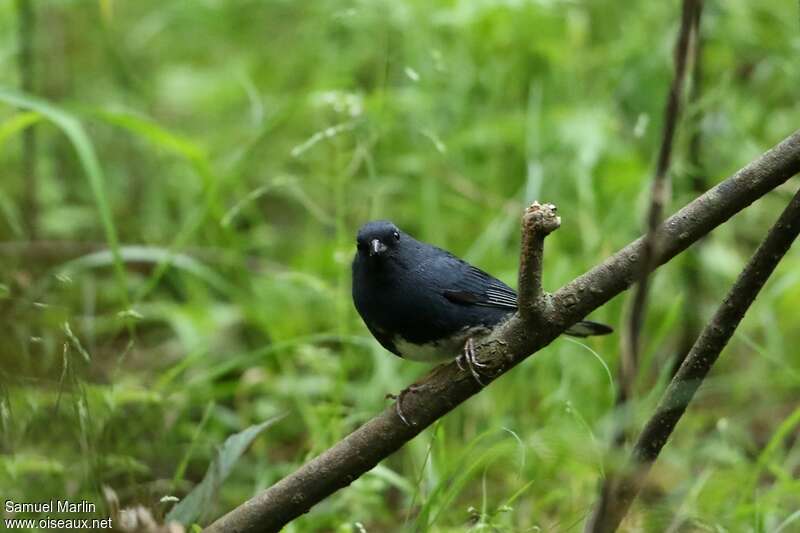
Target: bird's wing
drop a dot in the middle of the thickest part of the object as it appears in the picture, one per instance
(468, 285)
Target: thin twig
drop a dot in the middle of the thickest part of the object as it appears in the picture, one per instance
(446, 387)
(694, 286)
(696, 367)
(538, 222)
(698, 179)
(658, 198)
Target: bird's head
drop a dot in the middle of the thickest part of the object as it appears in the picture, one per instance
(378, 238)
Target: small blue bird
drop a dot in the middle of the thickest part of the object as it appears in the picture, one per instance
(424, 304)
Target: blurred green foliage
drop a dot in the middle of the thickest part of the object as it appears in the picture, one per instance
(203, 166)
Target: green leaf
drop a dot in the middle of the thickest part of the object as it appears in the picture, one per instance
(202, 496)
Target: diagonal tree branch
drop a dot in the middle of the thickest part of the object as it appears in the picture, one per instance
(446, 387)
(704, 353)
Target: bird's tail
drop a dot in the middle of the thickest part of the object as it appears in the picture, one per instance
(587, 328)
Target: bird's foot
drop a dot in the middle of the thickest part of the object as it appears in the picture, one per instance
(468, 361)
(398, 404)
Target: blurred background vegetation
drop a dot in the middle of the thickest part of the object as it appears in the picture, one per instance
(177, 232)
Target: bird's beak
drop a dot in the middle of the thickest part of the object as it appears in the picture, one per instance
(376, 247)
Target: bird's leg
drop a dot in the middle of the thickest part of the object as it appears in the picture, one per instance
(468, 360)
(398, 404)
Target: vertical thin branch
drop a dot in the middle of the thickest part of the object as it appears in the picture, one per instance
(629, 354)
(695, 368)
(658, 198)
(694, 285)
(696, 139)
(25, 37)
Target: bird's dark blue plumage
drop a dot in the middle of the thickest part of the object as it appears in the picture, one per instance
(423, 303)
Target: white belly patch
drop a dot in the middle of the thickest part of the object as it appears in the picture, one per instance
(438, 351)
(432, 352)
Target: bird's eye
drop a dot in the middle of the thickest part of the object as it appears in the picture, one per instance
(361, 246)
(396, 235)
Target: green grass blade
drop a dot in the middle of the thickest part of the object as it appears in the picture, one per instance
(17, 124)
(184, 148)
(202, 496)
(181, 470)
(72, 128)
(152, 255)
(153, 132)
